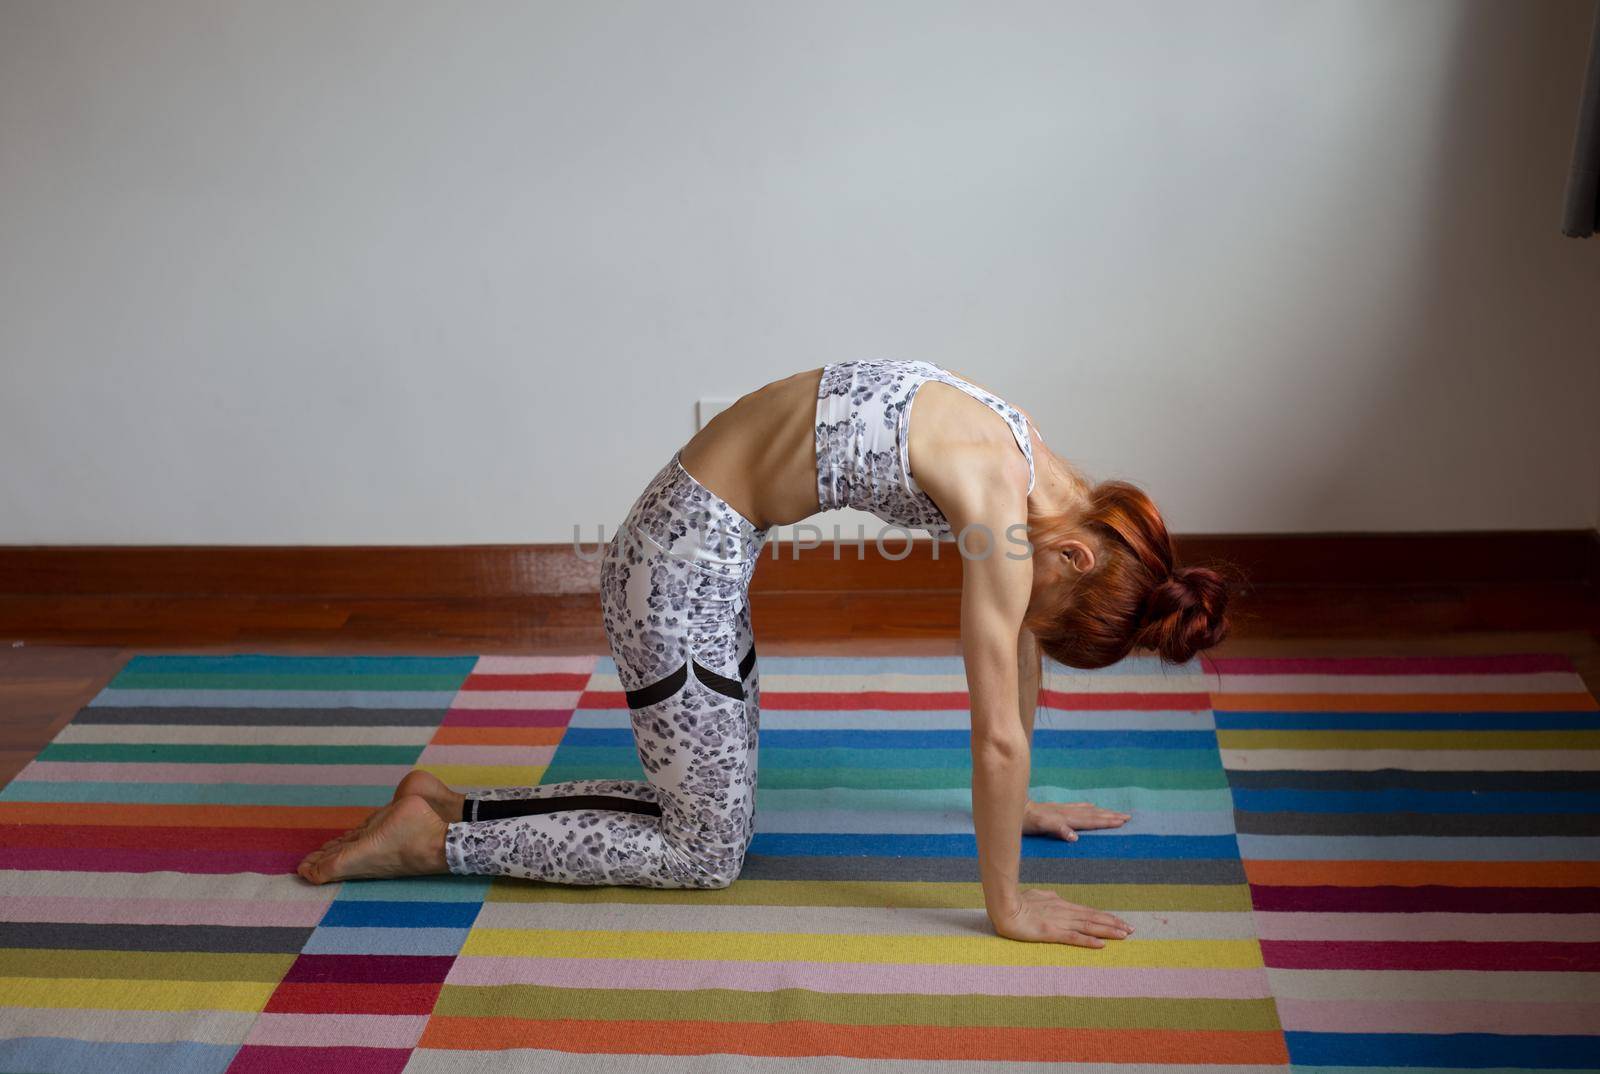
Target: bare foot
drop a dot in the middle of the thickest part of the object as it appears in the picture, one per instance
(404, 838)
(445, 802)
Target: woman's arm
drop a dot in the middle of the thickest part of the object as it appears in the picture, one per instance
(994, 594)
(1030, 664)
(1064, 820)
(986, 498)
(995, 588)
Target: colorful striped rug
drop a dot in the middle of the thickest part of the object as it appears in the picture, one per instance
(1343, 864)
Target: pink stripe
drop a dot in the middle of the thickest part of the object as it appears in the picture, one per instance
(269, 1059)
(1430, 1016)
(521, 700)
(319, 775)
(93, 911)
(535, 665)
(334, 1030)
(859, 977)
(468, 717)
(1438, 955)
(1546, 928)
(488, 755)
(1505, 664)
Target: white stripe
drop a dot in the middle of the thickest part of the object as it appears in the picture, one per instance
(163, 885)
(129, 1027)
(902, 683)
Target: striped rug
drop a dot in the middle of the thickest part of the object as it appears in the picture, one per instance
(1350, 864)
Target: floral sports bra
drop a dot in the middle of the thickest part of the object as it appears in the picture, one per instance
(863, 417)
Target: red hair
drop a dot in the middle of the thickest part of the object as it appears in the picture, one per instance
(1133, 597)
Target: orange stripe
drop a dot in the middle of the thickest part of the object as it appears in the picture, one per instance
(1309, 702)
(866, 1042)
(497, 736)
(168, 816)
(1461, 874)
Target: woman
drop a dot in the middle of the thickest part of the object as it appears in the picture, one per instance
(1051, 565)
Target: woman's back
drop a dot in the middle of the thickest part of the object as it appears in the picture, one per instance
(841, 435)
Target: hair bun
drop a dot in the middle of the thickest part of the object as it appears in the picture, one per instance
(1185, 613)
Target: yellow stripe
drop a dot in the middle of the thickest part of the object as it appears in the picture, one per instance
(486, 775)
(130, 995)
(901, 894)
(1409, 740)
(811, 947)
(145, 965)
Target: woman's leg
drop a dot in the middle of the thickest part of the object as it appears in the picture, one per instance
(674, 592)
(680, 636)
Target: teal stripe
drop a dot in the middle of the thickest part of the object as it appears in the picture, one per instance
(942, 799)
(268, 662)
(287, 794)
(156, 753)
(828, 758)
(416, 682)
(905, 778)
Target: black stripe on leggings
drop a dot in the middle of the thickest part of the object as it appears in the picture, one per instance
(659, 690)
(748, 663)
(720, 683)
(501, 808)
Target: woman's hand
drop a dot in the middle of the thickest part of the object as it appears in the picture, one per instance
(1045, 917)
(1067, 819)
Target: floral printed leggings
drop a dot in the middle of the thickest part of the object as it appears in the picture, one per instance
(674, 589)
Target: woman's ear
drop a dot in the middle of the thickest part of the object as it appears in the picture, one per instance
(1078, 556)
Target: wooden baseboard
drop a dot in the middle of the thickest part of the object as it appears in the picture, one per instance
(1535, 557)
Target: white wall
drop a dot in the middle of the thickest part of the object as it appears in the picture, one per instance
(402, 272)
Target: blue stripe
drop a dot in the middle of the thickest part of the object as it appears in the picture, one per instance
(1406, 721)
(1401, 800)
(374, 913)
(855, 738)
(56, 1055)
(1469, 1050)
(786, 844)
(385, 941)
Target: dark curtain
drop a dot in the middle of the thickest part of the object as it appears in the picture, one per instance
(1583, 185)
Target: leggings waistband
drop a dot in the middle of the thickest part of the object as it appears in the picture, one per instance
(690, 522)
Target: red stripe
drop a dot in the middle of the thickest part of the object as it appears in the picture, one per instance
(370, 969)
(123, 837)
(366, 998)
(1506, 664)
(102, 860)
(1444, 955)
(548, 680)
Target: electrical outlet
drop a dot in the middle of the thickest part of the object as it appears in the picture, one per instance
(706, 409)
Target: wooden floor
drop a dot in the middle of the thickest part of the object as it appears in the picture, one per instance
(57, 653)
